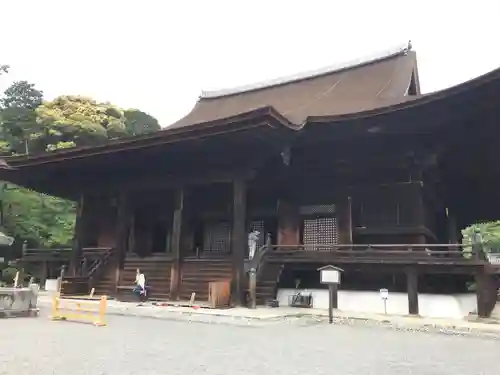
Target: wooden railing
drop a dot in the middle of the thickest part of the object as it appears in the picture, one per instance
(99, 266)
(89, 268)
(47, 254)
(431, 250)
(92, 258)
(63, 253)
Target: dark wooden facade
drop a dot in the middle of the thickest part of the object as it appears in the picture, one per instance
(376, 192)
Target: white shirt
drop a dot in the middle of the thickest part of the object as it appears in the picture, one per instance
(141, 280)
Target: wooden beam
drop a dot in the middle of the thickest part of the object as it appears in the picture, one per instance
(169, 181)
(175, 273)
(238, 240)
(412, 287)
(76, 251)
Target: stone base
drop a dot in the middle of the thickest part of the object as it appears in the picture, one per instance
(17, 302)
(19, 313)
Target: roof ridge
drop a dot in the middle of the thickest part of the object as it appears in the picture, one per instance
(354, 63)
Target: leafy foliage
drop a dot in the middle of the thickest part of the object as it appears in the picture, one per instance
(19, 125)
(30, 125)
(489, 233)
(138, 122)
(39, 219)
(80, 120)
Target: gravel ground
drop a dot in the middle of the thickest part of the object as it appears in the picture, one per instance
(305, 346)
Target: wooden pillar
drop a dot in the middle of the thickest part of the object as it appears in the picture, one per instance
(344, 214)
(122, 227)
(412, 287)
(486, 292)
(76, 248)
(131, 233)
(420, 209)
(175, 273)
(238, 240)
(288, 223)
(453, 233)
(43, 274)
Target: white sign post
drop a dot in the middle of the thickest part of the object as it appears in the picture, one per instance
(384, 294)
(330, 275)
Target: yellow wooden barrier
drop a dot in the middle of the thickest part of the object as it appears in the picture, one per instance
(80, 311)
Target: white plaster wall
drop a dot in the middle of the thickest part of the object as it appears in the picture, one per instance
(51, 285)
(456, 306)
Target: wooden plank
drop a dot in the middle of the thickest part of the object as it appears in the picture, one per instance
(176, 243)
(238, 240)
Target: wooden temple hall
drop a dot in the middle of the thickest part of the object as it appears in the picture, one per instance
(349, 165)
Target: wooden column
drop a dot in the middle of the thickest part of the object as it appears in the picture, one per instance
(76, 248)
(122, 228)
(131, 234)
(486, 292)
(344, 214)
(453, 232)
(43, 273)
(420, 209)
(480, 281)
(288, 223)
(238, 240)
(175, 273)
(412, 287)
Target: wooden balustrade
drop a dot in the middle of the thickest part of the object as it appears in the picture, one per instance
(62, 254)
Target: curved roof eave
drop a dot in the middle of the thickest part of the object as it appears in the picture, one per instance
(267, 115)
(411, 101)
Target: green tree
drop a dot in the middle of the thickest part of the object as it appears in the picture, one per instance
(40, 219)
(4, 145)
(79, 120)
(489, 233)
(19, 125)
(138, 122)
(29, 125)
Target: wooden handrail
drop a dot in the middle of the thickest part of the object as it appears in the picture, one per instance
(430, 249)
(63, 250)
(372, 246)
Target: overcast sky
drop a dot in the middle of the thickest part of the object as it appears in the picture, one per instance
(158, 55)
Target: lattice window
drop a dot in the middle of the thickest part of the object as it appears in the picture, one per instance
(320, 228)
(216, 237)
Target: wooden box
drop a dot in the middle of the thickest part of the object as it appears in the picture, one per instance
(219, 293)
